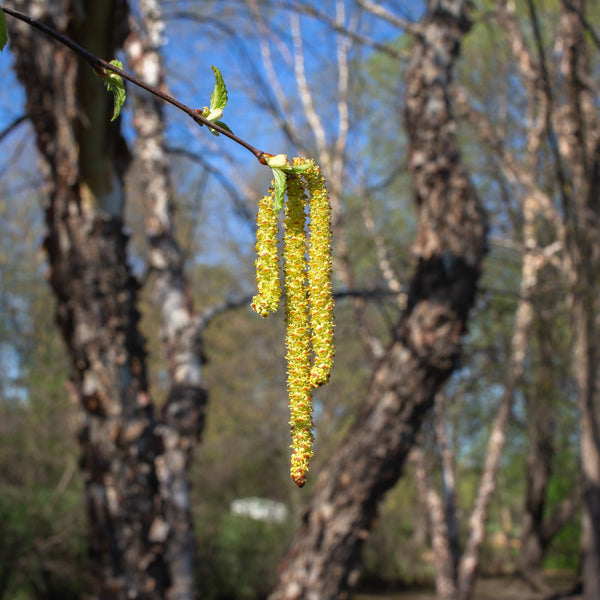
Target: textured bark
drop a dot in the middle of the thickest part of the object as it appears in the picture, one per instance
(448, 251)
(183, 412)
(126, 452)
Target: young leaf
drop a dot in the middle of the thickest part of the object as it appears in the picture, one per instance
(301, 168)
(3, 31)
(223, 125)
(279, 182)
(220, 123)
(114, 84)
(218, 97)
(278, 161)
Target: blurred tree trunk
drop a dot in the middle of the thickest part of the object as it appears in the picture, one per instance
(578, 175)
(455, 575)
(133, 478)
(182, 413)
(538, 526)
(448, 250)
(539, 468)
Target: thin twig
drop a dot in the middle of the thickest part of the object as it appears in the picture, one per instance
(12, 126)
(101, 67)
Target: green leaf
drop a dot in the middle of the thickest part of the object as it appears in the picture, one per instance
(218, 98)
(301, 168)
(220, 123)
(3, 31)
(223, 125)
(114, 84)
(279, 181)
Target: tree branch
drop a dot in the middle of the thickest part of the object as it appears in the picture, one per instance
(101, 67)
(12, 126)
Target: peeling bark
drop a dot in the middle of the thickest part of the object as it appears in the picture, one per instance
(322, 562)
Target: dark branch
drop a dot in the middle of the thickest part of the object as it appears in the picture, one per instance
(12, 126)
(584, 22)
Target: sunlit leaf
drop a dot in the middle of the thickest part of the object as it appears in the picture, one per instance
(279, 181)
(218, 98)
(114, 84)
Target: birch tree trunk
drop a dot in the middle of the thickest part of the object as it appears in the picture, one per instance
(183, 411)
(132, 463)
(448, 251)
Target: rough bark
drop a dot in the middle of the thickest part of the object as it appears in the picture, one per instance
(126, 452)
(183, 410)
(448, 251)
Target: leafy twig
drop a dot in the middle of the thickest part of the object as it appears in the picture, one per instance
(103, 68)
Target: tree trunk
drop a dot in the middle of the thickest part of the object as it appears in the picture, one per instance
(444, 557)
(539, 468)
(541, 420)
(448, 250)
(184, 407)
(578, 129)
(129, 459)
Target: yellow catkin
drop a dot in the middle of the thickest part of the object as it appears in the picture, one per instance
(267, 258)
(319, 277)
(298, 341)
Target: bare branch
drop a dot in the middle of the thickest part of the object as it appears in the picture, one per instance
(310, 10)
(305, 94)
(383, 13)
(12, 126)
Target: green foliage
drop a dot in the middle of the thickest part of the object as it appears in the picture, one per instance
(115, 85)
(218, 101)
(218, 97)
(3, 31)
(238, 557)
(396, 552)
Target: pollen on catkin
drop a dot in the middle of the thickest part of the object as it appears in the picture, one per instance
(298, 337)
(267, 258)
(320, 293)
(308, 292)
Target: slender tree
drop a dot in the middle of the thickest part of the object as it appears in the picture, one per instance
(560, 98)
